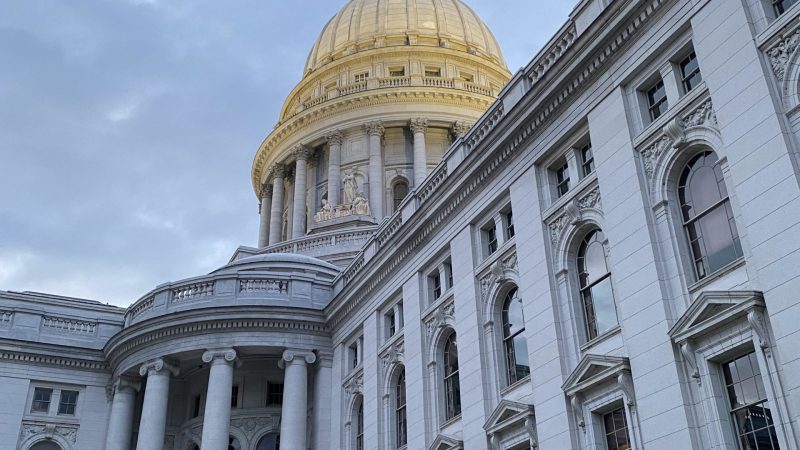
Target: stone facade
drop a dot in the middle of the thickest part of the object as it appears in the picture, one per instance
(551, 283)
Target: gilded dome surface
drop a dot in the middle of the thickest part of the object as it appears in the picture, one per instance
(366, 24)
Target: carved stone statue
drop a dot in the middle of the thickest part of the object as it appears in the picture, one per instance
(350, 187)
(360, 205)
(326, 213)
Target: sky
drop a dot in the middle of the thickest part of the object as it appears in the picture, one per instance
(128, 130)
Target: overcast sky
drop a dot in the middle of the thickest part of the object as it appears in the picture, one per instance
(128, 128)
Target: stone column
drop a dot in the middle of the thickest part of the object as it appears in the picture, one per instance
(375, 132)
(120, 423)
(154, 410)
(301, 153)
(418, 129)
(295, 399)
(276, 213)
(335, 140)
(217, 417)
(265, 209)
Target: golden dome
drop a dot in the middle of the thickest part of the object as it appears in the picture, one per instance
(367, 24)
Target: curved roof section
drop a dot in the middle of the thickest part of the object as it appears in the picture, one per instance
(366, 24)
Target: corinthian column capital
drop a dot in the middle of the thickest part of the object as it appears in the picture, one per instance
(418, 125)
(301, 153)
(266, 190)
(374, 128)
(158, 365)
(227, 355)
(278, 171)
(460, 128)
(335, 137)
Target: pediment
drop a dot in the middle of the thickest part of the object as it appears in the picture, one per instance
(443, 442)
(506, 413)
(713, 309)
(594, 370)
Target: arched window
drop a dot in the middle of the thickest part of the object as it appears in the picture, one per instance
(46, 445)
(452, 387)
(595, 282)
(399, 193)
(514, 341)
(707, 215)
(360, 426)
(271, 441)
(401, 427)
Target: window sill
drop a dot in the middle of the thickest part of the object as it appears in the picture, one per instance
(778, 24)
(500, 253)
(448, 295)
(390, 342)
(602, 338)
(449, 422)
(513, 387)
(714, 276)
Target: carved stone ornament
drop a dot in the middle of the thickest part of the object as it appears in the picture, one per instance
(278, 171)
(690, 358)
(758, 322)
(625, 383)
(573, 213)
(500, 271)
(394, 355)
(354, 386)
(460, 128)
(252, 425)
(302, 153)
(155, 366)
(444, 314)
(419, 125)
(374, 128)
(228, 355)
(576, 402)
(780, 54)
(335, 138)
(66, 431)
(289, 356)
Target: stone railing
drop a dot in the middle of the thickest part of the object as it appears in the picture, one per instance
(353, 88)
(68, 326)
(439, 82)
(193, 291)
(394, 82)
(142, 306)
(324, 245)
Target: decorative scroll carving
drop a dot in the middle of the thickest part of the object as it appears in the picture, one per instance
(335, 137)
(68, 326)
(264, 286)
(780, 54)
(290, 355)
(157, 365)
(226, 354)
(460, 128)
(66, 431)
(251, 425)
(758, 322)
(444, 314)
(395, 354)
(5, 318)
(302, 153)
(278, 171)
(576, 402)
(690, 358)
(573, 213)
(625, 383)
(502, 270)
(354, 386)
(530, 427)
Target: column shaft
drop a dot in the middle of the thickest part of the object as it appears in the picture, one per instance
(335, 168)
(299, 203)
(295, 400)
(418, 128)
(120, 423)
(276, 216)
(154, 410)
(375, 132)
(217, 416)
(264, 215)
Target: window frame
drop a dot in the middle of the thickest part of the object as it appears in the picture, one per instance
(592, 333)
(272, 394)
(652, 104)
(508, 340)
(400, 410)
(682, 63)
(49, 402)
(360, 76)
(451, 382)
(396, 71)
(62, 403)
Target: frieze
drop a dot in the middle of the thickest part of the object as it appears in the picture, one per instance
(780, 54)
(498, 273)
(443, 315)
(66, 431)
(394, 354)
(572, 213)
(29, 358)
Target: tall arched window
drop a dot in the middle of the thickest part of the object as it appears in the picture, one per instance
(452, 386)
(707, 215)
(401, 427)
(360, 426)
(514, 341)
(595, 281)
(399, 193)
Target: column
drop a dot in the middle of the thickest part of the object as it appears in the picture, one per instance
(295, 399)
(335, 140)
(217, 416)
(418, 128)
(276, 213)
(265, 209)
(301, 154)
(154, 409)
(375, 133)
(322, 412)
(120, 422)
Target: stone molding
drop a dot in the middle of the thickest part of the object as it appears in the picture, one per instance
(122, 383)
(156, 366)
(418, 125)
(553, 54)
(504, 269)
(441, 317)
(335, 137)
(46, 429)
(374, 128)
(395, 354)
(225, 355)
(572, 214)
(49, 360)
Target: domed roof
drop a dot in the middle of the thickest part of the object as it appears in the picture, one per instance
(366, 24)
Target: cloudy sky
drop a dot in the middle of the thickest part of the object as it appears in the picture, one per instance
(128, 127)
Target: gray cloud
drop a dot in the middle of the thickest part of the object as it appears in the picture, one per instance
(128, 127)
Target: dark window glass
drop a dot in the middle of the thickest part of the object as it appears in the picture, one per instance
(436, 286)
(391, 324)
(510, 225)
(690, 72)
(595, 281)
(750, 408)
(448, 271)
(587, 160)
(562, 180)
(359, 77)
(397, 72)
(782, 5)
(433, 72)
(235, 396)
(707, 215)
(399, 192)
(67, 403)
(233, 444)
(491, 239)
(272, 441)
(360, 427)
(400, 410)
(516, 345)
(452, 386)
(41, 400)
(274, 394)
(657, 100)
(354, 356)
(616, 428)
(196, 407)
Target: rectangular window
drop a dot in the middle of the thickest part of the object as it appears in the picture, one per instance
(397, 71)
(509, 221)
(434, 72)
(782, 5)
(750, 408)
(657, 100)
(67, 403)
(41, 400)
(690, 72)
(391, 324)
(615, 426)
(353, 353)
(435, 282)
(235, 396)
(359, 77)
(587, 159)
(448, 273)
(490, 237)
(196, 409)
(562, 180)
(467, 77)
(274, 394)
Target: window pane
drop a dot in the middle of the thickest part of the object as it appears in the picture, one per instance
(604, 309)
(69, 399)
(41, 400)
(513, 319)
(522, 364)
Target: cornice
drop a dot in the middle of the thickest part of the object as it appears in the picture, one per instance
(54, 357)
(487, 154)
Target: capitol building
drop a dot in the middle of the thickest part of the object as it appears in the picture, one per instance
(600, 251)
